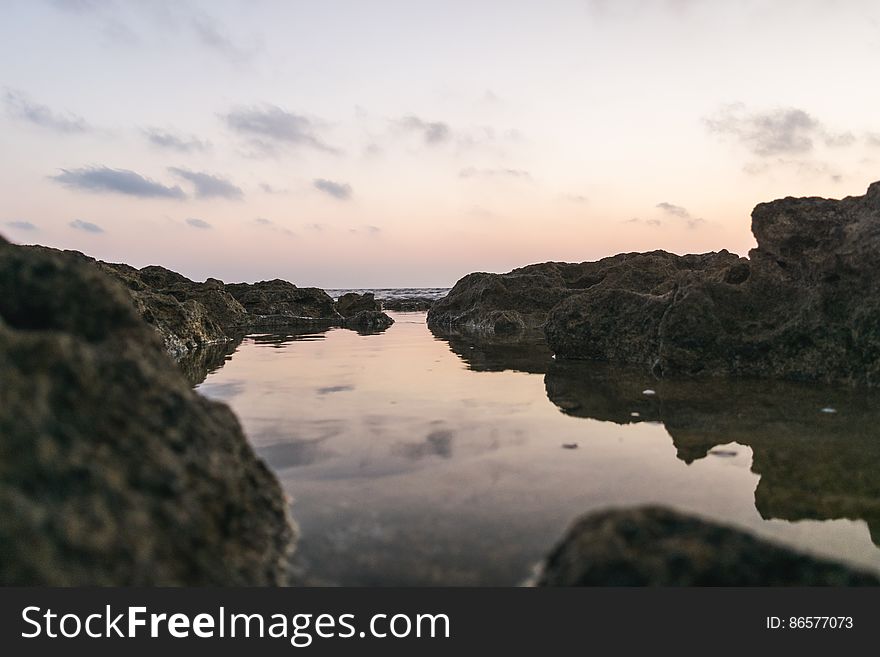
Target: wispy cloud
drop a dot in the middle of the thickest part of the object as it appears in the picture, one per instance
(198, 223)
(368, 231)
(268, 126)
(777, 132)
(340, 191)
(22, 108)
(212, 34)
(472, 172)
(680, 213)
(86, 226)
(120, 181)
(171, 141)
(21, 225)
(432, 132)
(785, 131)
(268, 224)
(208, 185)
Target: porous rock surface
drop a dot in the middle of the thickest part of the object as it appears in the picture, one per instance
(112, 470)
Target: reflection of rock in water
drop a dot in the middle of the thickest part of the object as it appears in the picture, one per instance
(437, 443)
(197, 364)
(521, 352)
(813, 464)
(652, 546)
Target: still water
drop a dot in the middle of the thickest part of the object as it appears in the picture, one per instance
(420, 459)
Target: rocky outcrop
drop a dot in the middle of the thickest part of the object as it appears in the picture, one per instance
(653, 546)
(277, 298)
(351, 303)
(112, 470)
(187, 315)
(805, 305)
(408, 304)
(368, 321)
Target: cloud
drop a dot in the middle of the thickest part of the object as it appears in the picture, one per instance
(22, 225)
(804, 168)
(268, 224)
(212, 34)
(198, 223)
(433, 132)
(120, 181)
(873, 139)
(268, 126)
(840, 140)
(680, 213)
(784, 131)
(20, 107)
(269, 189)
(207, 185)
(181, 144)
(647, 222)
(369, 231)
(576, 198)
(86, 226)
(341, 191)
(472, 172)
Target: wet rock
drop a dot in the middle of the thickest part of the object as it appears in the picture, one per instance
(352, 303)
(186, 314)
(653, 546)
(804, 306)
(281, 298)
(368, 321)
(407, 304)
(112, 470)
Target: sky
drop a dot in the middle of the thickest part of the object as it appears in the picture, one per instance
(408, 143)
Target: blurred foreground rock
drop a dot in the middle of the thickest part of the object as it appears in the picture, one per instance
(112, 470)
(652, 546)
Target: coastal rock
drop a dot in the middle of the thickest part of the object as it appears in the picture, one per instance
(652, 546)
(352, 303)
(368, 321)
(408, 304)
(284, 299)
(112, 470)
(805, 305)
(187, 315)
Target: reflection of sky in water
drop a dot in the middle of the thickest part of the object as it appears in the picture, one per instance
(416, 460)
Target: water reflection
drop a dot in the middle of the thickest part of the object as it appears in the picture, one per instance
(420, 459)
(816, 448)
(520, 352)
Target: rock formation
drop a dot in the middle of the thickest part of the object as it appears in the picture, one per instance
(352, 303)
(653, 546)
(189, 315)
(112, 470)
(804, 305)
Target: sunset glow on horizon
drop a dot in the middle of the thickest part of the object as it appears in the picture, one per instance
(387, 144)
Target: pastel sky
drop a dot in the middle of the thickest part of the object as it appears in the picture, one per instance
(407, 143)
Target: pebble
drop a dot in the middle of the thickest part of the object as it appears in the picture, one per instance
(648, 392)
(569, 445)
(828, 409)
(635, 414)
